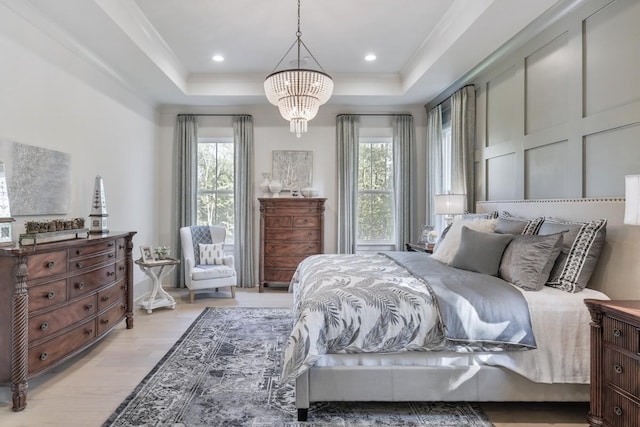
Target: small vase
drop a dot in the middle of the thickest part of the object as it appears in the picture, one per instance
(275, 187)
(264, 185)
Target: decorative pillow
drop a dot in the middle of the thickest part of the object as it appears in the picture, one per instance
(508, 224)
(528, 260)
(448, 247)
(581, 247)
(488, 215)
(211, 254)
(480, 252)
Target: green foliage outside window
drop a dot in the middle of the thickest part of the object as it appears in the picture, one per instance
(214, 202)
(375, 190)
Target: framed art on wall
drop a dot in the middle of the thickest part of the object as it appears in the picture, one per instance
(293, 168)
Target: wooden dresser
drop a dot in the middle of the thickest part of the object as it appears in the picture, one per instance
(57, 299)
(291, 229)
(615, 363)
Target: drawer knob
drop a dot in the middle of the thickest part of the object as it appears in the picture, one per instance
(617, 410)
(120, 246)
(79, 264)
(617, 368)
(51, 264)
(306, 221)
(110, 244)
(105, 298)
(51, 295)
(79, 285)
(43, 356)
(78, 251)
(110, 273)
(617, 332)
(110, 255)
(122, 268)
(44, 326)
(105, 321)
(88, 307)
(89, 331)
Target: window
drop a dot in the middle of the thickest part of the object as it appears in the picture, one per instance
(214, 202)
(376, 222)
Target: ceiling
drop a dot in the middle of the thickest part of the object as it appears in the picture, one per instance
(162, 49)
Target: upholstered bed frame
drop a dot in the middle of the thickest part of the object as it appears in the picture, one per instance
(616, 275)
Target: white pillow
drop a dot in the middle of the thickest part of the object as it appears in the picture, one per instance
(447, 249)
(211, 254)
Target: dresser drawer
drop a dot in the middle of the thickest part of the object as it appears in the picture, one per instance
(293, 234)
(279, 275)
(83, 283)
(306, 221)
(619, 411)
(621, 370)
(283, 261)
(47, 295)
(121, 247)
(49, 352)
(111, 318)
(620, 334)
(291, 248)
(79, 264)
(47, 264)
(46, 324)
(121, 269)
(113, 293)
(92, 249)
(278, 221)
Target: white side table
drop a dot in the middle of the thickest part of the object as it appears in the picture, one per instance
(156, 270)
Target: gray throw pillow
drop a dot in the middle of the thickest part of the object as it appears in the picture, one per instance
(508, 224)
(581, 247)
(480, 252)
(528, 260)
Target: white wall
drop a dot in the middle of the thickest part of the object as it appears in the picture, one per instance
(50, 98)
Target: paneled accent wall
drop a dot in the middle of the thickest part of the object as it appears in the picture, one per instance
(560, 117)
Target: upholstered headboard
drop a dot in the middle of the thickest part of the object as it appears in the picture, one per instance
(617, 273)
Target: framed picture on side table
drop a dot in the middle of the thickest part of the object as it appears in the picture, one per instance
(147, 253)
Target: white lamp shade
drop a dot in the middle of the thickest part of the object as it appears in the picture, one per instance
(632, 199)
(449, 204)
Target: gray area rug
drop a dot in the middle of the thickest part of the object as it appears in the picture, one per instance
(224, 372)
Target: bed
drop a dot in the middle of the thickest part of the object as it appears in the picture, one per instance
(509, 364)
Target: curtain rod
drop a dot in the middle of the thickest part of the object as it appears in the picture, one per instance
(375, 114)
(448, 97)
(214, 115)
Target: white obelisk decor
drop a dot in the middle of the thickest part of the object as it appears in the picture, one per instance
(98, 216)
(6, 221)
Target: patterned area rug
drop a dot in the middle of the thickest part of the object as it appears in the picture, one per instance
(224, 372)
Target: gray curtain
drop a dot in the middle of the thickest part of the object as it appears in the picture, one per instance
(434, 163)
(463, 124)
(403, 177)
(185, 149)
(347, 138)
(243, 198)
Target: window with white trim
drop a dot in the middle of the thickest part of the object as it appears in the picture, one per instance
(215, 183)
(376, 217)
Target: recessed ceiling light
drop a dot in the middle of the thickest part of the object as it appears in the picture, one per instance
(218, 58)
(370, 57)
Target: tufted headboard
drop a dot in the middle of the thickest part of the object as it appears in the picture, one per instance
(617, 273)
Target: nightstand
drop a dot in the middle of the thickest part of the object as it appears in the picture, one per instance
(419, 247)
(615, 363)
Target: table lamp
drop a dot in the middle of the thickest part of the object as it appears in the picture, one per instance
(449, 205)
(632, 199)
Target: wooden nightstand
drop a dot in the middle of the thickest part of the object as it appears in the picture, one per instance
(615, 363)
(419, 247)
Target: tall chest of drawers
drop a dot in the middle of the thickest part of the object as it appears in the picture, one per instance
(615, 363)
(57, 299)
(291, 229)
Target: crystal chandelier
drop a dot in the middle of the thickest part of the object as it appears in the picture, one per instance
(298, 92)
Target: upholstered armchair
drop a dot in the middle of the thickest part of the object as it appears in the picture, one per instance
(205, 265)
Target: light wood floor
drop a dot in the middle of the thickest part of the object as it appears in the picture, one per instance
(87, 389)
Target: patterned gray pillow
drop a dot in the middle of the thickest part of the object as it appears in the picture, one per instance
(581, 249)
(528, 260)
(508, 224)
(479, 251)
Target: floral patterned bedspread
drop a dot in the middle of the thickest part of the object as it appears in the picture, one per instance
(356, 304)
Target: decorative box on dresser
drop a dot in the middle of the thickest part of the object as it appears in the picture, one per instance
(615, 363)
(57, 299)
(291, 229)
